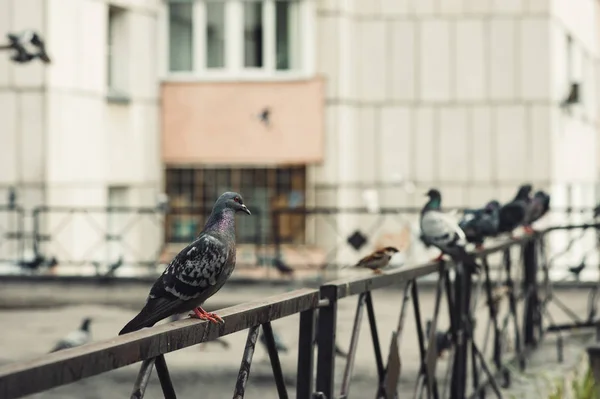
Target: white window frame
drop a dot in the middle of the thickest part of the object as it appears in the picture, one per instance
(234, 69)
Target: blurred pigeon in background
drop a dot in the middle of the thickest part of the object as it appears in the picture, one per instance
(481, 223)
(198, 271)
(27, 46)
(443, 340)
(38, 262)
(536, 209)
(576, 270)
(75, 338)
(443, 232)
(377, 260)
(512, 214)
(112, 268)
(282, 267)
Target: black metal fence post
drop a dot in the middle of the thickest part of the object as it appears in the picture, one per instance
(462, 299)
(326, 341)
(530, 268)
(304, 380)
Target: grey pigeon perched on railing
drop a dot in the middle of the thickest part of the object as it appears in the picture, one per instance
(198, 271)
(75, 338)
(512, 215)
(536, 209)
(442, 231)
(479, 224)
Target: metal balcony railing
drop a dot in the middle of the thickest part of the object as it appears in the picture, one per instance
(520, 276)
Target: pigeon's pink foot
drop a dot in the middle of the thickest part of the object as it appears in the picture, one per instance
(204, 315)
(439, 258)
(479, 246)
(528, 229)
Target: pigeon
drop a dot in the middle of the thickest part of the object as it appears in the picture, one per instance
(536, 209)
(34, 264)
(27, 45)
(443, 340)
(12, 198)
(263, 116)
(282, 267)
(279, 345)
(198, 271)
(481, 223)
(576, 270)
(114, 266)
(512, 214)
(443, 232)
(377, 260)
(75, 338)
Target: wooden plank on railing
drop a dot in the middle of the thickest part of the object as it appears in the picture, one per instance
(74, 364)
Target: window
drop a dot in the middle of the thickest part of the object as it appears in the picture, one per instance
(253, 34)
(118, 197)
(286, 34)
(181, 36)
(215, 35)
(230, 38)
(116, 51)
(192, 193)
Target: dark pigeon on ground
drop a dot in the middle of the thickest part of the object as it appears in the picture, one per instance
(279, 345)
(479, 224)
(536, 209)
(36, 263)
(442, 231)
(576, 270)
(443, 340)
(75, 338)
(512, 214)
(112, 268)
(198, 271)
(282, 267)
(597, 211)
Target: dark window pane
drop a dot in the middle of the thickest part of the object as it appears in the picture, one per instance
(181, 33)
(286, 34)
(253, 34)
(215, 34)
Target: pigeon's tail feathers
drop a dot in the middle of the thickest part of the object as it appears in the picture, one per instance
(60, 346)
(154, 311)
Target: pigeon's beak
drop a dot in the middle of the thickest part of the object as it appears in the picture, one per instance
(245, 209)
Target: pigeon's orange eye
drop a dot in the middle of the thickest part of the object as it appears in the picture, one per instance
(238, 200)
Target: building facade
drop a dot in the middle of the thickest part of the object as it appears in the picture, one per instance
(327, 104)
(468, 96)
(83, 131)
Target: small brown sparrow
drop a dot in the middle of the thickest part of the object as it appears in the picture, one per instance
(377, 260)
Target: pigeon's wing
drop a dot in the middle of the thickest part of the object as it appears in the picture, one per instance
(78, 338)
(193, 272)
(511, 215)
(441, 229)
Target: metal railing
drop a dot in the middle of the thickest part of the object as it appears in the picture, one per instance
(471, 373)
